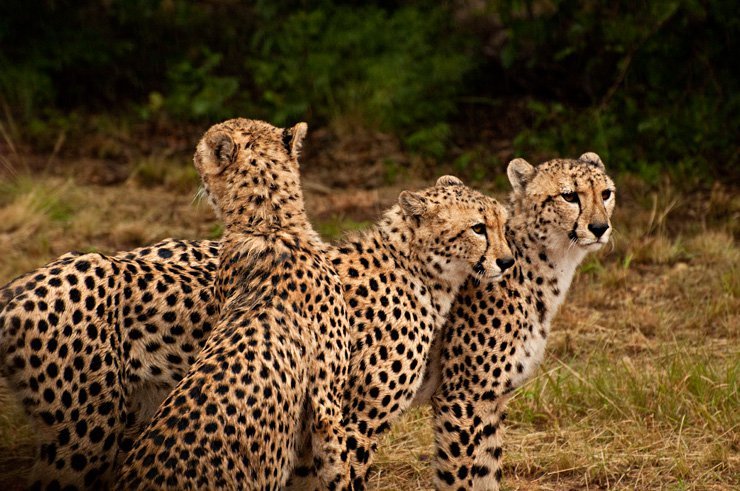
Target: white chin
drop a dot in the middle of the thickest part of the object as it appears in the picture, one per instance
(591, 246)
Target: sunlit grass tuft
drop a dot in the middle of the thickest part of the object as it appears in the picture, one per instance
(159, 171)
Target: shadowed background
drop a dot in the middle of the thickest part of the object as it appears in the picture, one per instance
(102, 102)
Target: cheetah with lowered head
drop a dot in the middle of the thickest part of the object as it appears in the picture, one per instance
(90, 344)
(400, 278)
(497, 331)
(281, 346)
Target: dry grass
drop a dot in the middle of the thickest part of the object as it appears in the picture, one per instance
(640, 388)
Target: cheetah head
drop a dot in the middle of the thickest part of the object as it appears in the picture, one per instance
(457, 231)
(570, 201)
(246, 162)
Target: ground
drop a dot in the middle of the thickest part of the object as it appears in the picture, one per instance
(640, 388)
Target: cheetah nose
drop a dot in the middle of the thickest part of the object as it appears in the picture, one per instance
(598, 229)
(505, 263)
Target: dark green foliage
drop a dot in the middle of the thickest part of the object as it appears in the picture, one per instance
(393, 68)
(102, 55)
(641, 83)
(648, 85)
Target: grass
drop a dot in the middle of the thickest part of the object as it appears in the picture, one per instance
(640, 386)
(333, 227)
(598, 422)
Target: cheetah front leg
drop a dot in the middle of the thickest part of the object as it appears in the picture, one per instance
(468, 439)
(361, 449)
(327, 444)
(330, 463)
(321, 464)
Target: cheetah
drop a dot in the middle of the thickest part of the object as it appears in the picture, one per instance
(399, 279)
(281, 346)
(90, 344)
(496, 333)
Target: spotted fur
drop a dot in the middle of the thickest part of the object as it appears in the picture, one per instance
(496, 333)
(399, 280)
(281, 346)
(89, 344)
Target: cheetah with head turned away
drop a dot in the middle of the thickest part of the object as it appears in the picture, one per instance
(281, 346)
(400, 278)
(496, 333)
(91, 344)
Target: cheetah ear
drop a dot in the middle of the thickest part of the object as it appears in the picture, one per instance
(215, 152)
(520, 172)
(445, 181)
(293, 139)
(412, 204)
(592, 158)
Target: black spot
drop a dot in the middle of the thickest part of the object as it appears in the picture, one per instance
(446, 477)
(81, 428)
(164, 253)
(96, 434)
(92, 332)
(63, 437)
(78, 462)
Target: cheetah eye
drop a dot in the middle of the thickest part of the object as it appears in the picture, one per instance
(570, 197)
(479, 228)
(606, 194)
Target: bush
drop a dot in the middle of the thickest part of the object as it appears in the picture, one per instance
(646, 85)
(394, 69)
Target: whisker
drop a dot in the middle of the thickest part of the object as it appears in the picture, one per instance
(199, 195)
(571, 244)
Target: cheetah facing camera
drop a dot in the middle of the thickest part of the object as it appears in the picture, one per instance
(400, 278)
(496, 333)
(281, 346)
(89, 343)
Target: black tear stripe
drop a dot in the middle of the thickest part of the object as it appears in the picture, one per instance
(478, 267)
(572, 234)
(287, 137)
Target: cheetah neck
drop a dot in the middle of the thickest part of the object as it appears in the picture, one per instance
(264, 203)
(542, 276)
(395, 233)
(545, 267)
(265, 225)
